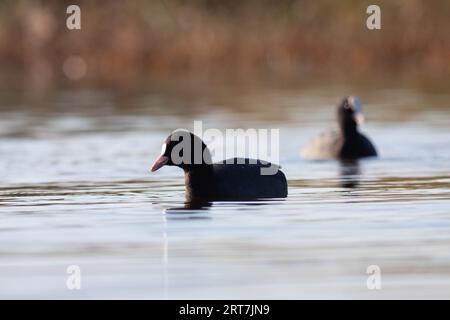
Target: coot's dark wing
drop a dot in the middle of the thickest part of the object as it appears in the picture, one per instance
(240, 178)
(357, 147)
(369, 148)
(326, 145)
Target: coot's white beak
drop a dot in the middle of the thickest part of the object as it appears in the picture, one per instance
(356, 104)
(160, 162)
(359, 118)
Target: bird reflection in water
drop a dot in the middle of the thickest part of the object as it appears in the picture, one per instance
(201, 206)
(190, 207)
(349, 173)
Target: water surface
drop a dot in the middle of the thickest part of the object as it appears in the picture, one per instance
(76, 189)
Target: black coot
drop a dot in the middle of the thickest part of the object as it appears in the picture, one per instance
(346, 142)
(232, 179)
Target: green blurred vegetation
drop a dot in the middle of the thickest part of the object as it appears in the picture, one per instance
(123, 42)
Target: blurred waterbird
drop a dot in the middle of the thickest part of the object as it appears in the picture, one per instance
(346, 142)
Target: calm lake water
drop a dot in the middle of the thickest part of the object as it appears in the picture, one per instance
(75, 189)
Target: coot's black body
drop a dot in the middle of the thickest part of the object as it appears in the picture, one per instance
(232, 179)
(356, 146)
(345, 143)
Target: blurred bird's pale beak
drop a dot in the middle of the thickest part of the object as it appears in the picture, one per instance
(359, 118)
(160, 162)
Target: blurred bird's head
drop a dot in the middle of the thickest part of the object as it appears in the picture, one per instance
(350, 114)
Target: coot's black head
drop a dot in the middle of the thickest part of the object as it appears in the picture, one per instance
(183, 149)
(350, 114)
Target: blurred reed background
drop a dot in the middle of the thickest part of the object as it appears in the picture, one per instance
(124, 44)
